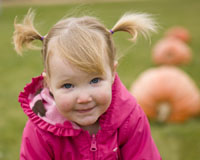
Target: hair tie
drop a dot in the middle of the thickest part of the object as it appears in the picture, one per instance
(111, 31)
(42, 38)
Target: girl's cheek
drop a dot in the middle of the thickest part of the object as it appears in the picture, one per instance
(104, 96)
(63, 103)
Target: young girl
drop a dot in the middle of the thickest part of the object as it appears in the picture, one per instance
(78, 109)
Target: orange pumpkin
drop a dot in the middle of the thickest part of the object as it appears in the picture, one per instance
(171, 51)
(178, 32)
(167, 94)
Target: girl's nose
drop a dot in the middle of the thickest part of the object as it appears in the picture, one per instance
(84, 98)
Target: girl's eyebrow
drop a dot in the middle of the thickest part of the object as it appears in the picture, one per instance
(64, 80)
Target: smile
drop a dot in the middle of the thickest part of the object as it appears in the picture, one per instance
(85, 110)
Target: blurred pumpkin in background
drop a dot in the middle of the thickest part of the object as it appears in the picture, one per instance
(171, 51)
(178, 32)
(167, 94)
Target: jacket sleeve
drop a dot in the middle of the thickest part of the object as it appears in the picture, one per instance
(34, 146)
(139, 144)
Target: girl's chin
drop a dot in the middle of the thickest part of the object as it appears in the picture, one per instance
(89, 124)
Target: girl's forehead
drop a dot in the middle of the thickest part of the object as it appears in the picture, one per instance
(58, 62)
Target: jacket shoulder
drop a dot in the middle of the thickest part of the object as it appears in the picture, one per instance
(131, 123)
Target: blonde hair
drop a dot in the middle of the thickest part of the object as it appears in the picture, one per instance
(83, 41)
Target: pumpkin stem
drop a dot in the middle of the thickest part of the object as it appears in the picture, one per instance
(163, 111)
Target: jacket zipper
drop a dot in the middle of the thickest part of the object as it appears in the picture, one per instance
(93, 147)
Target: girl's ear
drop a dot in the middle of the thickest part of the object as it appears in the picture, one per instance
(44, 74)
(115, 65)
(46, 80)
(114, 70)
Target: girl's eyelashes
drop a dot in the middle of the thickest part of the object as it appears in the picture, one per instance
(68, 85)
(95, 80)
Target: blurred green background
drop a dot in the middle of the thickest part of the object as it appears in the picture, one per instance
(174, 141)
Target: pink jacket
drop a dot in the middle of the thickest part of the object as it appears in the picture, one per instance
(124, 134)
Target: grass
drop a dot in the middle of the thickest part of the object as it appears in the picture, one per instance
(174, 141)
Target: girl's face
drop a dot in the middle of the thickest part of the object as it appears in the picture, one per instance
(80, 97)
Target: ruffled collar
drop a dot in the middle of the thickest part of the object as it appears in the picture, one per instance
(47, 118)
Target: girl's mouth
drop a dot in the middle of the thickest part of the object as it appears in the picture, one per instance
(85, 110)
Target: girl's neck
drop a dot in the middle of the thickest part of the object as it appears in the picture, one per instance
(92, 129)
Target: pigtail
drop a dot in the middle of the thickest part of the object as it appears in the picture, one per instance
(135, 23)
(25, 33)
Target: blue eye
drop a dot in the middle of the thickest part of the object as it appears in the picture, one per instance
(95, 80)
(68, 85)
